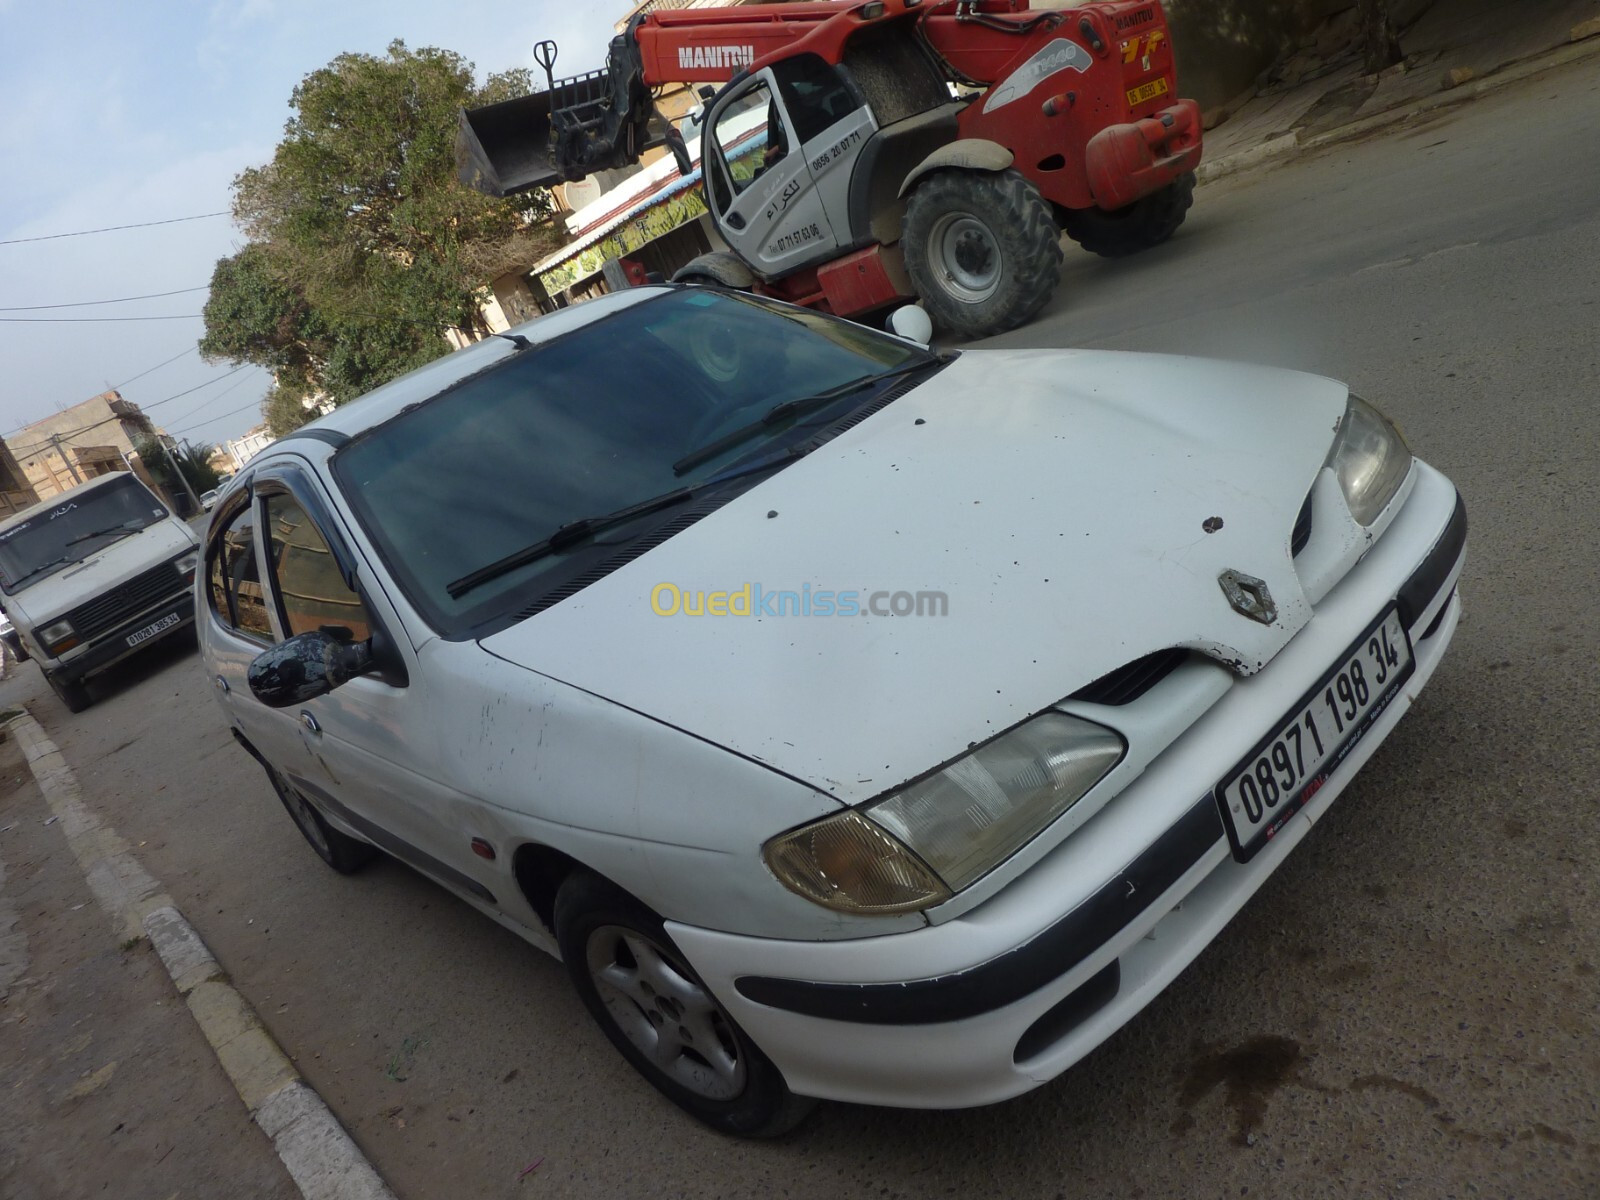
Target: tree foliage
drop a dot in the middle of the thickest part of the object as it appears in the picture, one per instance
(363, 246)
(193, 461)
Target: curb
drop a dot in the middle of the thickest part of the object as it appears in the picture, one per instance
(1290, 143)
(318, 1153)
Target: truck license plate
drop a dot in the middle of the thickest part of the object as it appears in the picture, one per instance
(150, 631)
(1276, 779)
(1146, 91)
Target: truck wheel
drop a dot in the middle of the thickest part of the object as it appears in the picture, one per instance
(662, 1018)
(982, 249)
(71, 692)
(340, 851)
(1142, 224)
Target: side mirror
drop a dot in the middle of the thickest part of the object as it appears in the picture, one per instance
(306, 666)
(911, 322)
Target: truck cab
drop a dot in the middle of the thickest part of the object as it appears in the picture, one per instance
(94, 575)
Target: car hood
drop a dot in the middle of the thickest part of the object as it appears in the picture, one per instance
(1075, 508)
(48, 598)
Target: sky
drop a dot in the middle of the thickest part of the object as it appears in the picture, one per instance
(121, 113)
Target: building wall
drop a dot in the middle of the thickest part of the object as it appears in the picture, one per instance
(16, 493)
(79, 443)
(242, 449)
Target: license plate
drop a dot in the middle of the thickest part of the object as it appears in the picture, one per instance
(1146, 91)
(1288, 766)
(150, 631)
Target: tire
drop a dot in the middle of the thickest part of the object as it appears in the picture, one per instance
(982, 249)
(637, 987)
(1142, 224)
(343, 853)
(73, 693)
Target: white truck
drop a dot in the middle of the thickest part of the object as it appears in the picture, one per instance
(93, 575)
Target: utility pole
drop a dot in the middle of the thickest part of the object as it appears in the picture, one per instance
(182, 478)
(55, 440)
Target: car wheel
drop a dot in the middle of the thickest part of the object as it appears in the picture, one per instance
(71, 692)
(343, 853)
(662, 1018)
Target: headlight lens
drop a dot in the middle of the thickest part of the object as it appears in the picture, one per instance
(918, 846)
(186, 563)
(1370, 458)
(57, 637)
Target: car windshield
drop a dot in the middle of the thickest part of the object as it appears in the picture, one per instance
(72, 529)
(591, 423)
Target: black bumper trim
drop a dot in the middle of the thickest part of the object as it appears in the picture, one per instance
(110, 647)
(1427, 580)
(1017, 973)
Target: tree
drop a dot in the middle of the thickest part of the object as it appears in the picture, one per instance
(1380, 45)
(194, 464)
(364, 246)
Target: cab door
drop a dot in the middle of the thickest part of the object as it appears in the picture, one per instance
(759, 183)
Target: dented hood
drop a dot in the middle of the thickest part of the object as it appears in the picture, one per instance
(1060, 500)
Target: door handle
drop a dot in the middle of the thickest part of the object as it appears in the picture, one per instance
(734, 220)
(222, 684)
(309, 722)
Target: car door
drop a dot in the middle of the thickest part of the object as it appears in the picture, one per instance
(369, 746)
(760, 184)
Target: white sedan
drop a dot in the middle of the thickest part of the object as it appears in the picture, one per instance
(855, 722)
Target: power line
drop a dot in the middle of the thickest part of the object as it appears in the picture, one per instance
(84, 320)
(195, 388)
(256, 404)
(204, 403)
(89, 303)
(157, 367)
(110, 228)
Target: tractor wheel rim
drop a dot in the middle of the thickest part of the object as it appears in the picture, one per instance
(967, 257)
(665, 1013)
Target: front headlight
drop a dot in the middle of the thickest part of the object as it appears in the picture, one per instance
(186, 563)
(57, 637)
(1370, 458)
(918, 846)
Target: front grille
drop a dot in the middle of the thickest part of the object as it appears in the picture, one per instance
(1302, 528)
(1127, 683)
(110, 609)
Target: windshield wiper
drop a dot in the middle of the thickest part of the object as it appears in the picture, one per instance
(781, 412)
(126, 527)
(54, 562)
(583, 528)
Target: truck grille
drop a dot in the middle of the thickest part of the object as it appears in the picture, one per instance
(127, 600)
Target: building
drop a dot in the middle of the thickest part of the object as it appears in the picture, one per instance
(16, 493)
(79, 443)
(242, 449)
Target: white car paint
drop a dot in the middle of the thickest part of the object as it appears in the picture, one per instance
(1075, 507)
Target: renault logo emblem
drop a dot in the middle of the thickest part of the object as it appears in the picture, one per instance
(1248, 596)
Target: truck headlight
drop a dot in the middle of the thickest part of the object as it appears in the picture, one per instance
(920, 845)
(186, 564)
(1370, 458)
(57, 637)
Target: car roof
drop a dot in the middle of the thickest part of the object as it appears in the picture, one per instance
(99, 481)
(425, 382)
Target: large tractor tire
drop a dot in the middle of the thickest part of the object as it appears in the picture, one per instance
(982, 248)
(1142, 224)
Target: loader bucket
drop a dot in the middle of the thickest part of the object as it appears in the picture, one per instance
(504, 148)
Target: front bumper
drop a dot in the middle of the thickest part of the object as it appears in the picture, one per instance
(112, 647)
(1008, 995)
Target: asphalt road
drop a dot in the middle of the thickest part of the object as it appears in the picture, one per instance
(1409, 1007)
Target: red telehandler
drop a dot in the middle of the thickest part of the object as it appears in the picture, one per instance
(860, 153)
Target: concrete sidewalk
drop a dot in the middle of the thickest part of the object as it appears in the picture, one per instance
(1454, 50)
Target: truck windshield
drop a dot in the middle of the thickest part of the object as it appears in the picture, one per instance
(78, 525)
